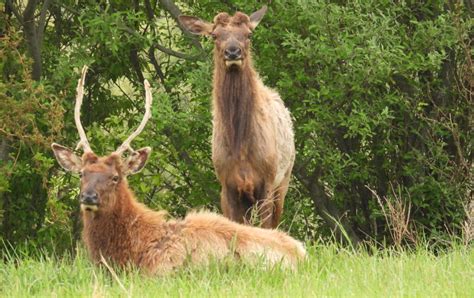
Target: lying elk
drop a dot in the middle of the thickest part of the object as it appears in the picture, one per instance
(253, 147)
(125, 232)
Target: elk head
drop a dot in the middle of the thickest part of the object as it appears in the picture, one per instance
(231, 34)
(100, 176)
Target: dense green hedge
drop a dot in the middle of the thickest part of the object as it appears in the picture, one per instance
(379, 92)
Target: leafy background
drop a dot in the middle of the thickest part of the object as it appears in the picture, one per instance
(380, 93)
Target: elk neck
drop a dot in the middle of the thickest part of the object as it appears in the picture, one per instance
(115, 232)
(115, 218)
(235, 92)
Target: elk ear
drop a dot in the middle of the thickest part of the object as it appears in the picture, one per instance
(66, 158)
(196, 25)
(257, 16)
(136, 161)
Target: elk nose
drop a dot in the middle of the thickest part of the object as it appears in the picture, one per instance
(89, 198)
(233, 53)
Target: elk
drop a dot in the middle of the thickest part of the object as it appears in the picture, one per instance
(119, 229)
(253, 147)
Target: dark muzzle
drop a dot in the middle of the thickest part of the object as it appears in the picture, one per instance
(233, 53)
(89, 198)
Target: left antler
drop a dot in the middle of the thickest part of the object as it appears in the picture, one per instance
(148, 100)
(83, 142)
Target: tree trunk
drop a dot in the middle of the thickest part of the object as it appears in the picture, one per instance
(324, 207)
(31, 36)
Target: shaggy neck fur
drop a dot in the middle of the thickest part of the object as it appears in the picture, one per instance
(235, 102)
(115, 231)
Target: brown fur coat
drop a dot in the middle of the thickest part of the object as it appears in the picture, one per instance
(132, 234)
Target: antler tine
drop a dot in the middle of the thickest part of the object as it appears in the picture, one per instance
(83, 142)
(148, 100)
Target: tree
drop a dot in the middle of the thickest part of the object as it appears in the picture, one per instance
(380, 94)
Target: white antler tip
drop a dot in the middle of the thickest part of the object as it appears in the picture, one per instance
(148, 100)
(77, 113)
(83, 73)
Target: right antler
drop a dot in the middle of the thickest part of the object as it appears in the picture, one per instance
(148, 100)
(83, 142)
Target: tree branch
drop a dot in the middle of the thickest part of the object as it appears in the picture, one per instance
(150, 14)
(31, 37)
(323, 205)
(160, 47)
(175, 53)
(135, 61)
(175, 12)
(42, 22)
(14, 10)
(158, 70)
(29, 12)
(66, 7)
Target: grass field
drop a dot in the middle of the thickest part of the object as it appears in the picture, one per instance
(329, 271)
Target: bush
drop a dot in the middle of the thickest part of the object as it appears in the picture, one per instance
(379, 92)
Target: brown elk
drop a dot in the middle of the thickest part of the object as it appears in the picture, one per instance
(125, 232)
(253, 147)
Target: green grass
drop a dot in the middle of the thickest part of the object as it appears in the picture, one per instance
(329, 271)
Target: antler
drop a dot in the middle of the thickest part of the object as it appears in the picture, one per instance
(148, 100)
(83, 142)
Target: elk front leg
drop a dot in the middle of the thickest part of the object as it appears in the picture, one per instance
(233, 206)
(265, 206)
(279, 198)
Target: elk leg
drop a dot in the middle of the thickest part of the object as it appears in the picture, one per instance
(265, 206)
(279, 199)
(233, 206)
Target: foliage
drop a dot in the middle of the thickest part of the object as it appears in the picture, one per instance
(374, 88)
(380, 93)
(31, 118)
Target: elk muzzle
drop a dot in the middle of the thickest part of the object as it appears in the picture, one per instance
(89, 201)
(233, 56)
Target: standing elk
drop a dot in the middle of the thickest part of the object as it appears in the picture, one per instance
(125, 232)
(253, 147)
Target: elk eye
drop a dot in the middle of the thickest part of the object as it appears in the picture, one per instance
(213, 35)
(80, 174)
(250, 35)
(115, 178)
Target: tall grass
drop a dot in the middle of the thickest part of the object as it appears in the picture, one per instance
(329, 271)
